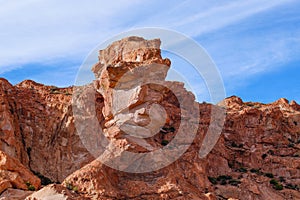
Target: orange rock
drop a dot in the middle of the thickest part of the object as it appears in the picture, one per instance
(14, 174)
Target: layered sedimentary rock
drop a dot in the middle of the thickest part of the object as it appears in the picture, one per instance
(132, 135)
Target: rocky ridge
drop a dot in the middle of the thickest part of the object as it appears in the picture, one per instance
(256, 156)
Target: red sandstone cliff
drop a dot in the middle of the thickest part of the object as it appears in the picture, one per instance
(47, 131)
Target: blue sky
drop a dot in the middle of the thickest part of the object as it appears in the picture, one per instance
(255, 44)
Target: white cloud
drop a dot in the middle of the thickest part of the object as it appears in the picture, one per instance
(239, 58)
(37, 31)
(43, 31)
(223, 15)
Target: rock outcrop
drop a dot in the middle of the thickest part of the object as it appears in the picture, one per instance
(37, 129)
(239, 167)
(132, 135)
(259, 147)
(14, 174)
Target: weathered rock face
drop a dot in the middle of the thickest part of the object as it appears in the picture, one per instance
(123, 68)
(37, 128)
(14, 174)
(131, 78)
(131, 110)
(10, 132)
(260, 142)
(142, 112)
(239, 167)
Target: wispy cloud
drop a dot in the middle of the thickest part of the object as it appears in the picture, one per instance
(223, 15)
(240, 55)
(53, 31)
(41, 30)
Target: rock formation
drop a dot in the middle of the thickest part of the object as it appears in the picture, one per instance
(37, 130)
(14, 174)
(132, 135)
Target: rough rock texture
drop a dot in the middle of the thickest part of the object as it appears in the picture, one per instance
(55, 192)
(10, 130)
(131, 108)
(14, 194)
(14, 174)
(37, 128)
(239, 167)
(260, 142)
